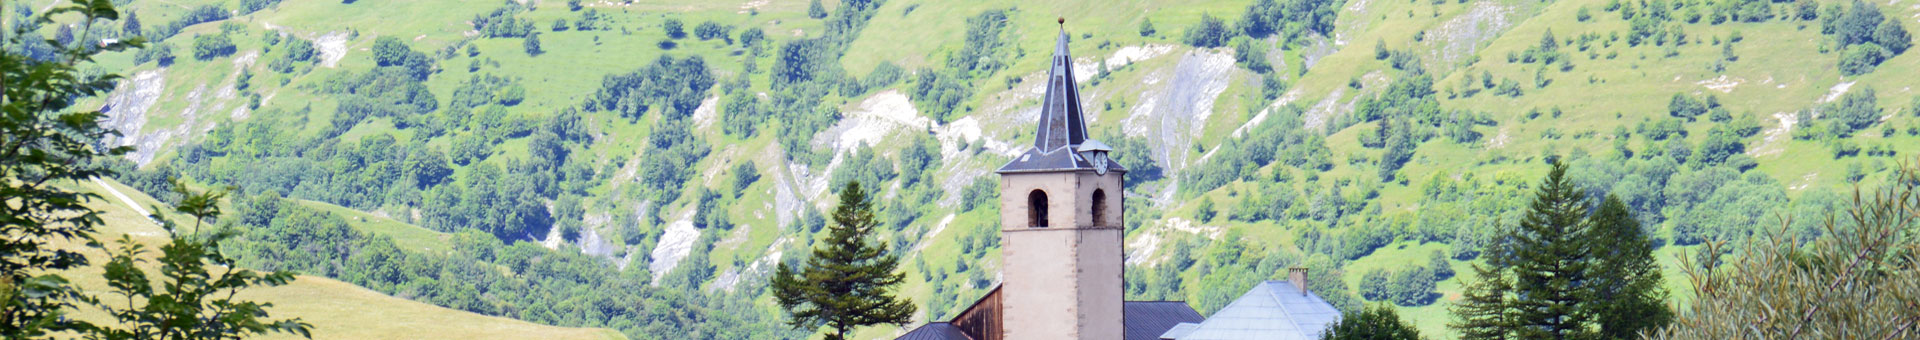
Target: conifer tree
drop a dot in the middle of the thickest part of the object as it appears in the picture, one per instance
(131, 26)
(1549, 262)
(847, 282)
(1624, 280)
(816, 10)
(1482, 310)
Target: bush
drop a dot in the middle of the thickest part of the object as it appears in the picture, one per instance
(532, 44)
(710, 30)
(161, 53)
(1892, 36)
(206, 47)
(1376, 285)
(1210, 32)
(1442, 270)
(1856, 110)
(673, 29)
(1251, 54)
(1378, 322)
(1861, 59)
(1684, 106)
(1414, 287)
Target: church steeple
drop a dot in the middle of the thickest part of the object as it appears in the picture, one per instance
(1060, 140)
(1062, 214)
(1061, 123)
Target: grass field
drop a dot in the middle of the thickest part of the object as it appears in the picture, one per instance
(337, 310)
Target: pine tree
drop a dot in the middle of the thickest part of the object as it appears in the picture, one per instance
(1549, 262)
(846, 283)
(1482, 310)
(816, 10)
(1624, 279)
(131, 26)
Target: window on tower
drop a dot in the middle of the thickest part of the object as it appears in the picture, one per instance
(1099, 207)
(1037, 209)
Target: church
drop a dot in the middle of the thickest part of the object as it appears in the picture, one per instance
(1061, 252)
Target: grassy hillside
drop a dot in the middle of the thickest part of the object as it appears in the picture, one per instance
(625, 161)
(336, 309)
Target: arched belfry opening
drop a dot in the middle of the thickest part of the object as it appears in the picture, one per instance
(1099, 207)
(1037, 209)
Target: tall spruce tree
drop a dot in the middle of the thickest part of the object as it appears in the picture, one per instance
(1482, 310)
(1549, 261)
(847, 281)
(1624, 280)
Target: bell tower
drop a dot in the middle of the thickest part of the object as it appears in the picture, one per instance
(1061, 224)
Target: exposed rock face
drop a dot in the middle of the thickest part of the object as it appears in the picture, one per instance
(127, 110)
(673, 247)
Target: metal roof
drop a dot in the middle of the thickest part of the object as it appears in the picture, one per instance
(1179, 330)
(1146, 320)
(1273, 310)
(935, 331)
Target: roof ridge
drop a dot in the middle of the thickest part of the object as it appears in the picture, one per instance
(1283, 308)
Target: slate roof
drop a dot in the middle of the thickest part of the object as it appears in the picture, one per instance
(1146, 320)
(1272, 310)
(1062, 127)
(935, 331)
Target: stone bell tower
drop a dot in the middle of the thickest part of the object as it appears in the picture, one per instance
(1061, 224)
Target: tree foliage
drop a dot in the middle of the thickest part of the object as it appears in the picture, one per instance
(1210, 32)
(49, 146)
(1567, 272)
(1857, 280)
(848, 282)
(196, 295)
(1378, 322)
(209, 46)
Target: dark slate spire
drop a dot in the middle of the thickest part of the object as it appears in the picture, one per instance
(1061, 124)
(1058, 141)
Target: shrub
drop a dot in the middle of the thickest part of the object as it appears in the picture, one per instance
(673, 28)
(1210, 32)
(711, 30)
(206, 47)
(532, 44)
(1861, 59)
(1414, 287)
(1892, 36)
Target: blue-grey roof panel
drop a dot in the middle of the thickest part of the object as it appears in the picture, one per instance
(935, 331)
(1272, 310)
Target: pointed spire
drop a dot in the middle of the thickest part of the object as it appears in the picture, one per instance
(1061, 123)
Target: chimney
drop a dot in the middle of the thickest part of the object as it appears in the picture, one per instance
(1299, 277)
